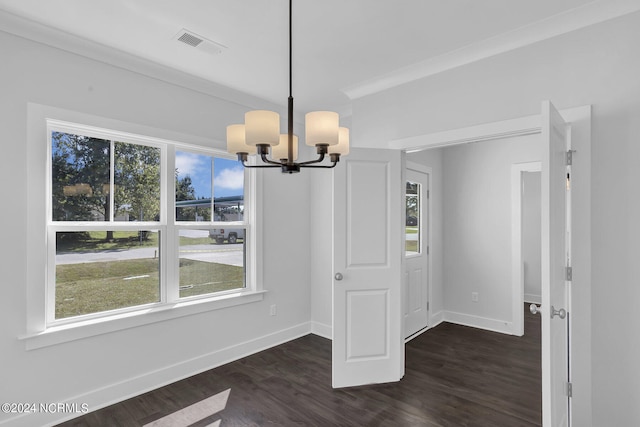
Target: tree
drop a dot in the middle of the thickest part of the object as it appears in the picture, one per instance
(137, 181)
(185, 191)
(81, 189)
(80, 171)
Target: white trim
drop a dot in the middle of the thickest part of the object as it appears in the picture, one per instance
(49, 36)
(41, 329)
(486, 323)
(135, 318)
(562, 23)
(117, 392)
(517, 265)
(436, 319)
(322, 330)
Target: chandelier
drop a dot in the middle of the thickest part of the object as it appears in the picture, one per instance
(260, 134)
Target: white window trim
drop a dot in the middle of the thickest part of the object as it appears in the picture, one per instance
(37, 331)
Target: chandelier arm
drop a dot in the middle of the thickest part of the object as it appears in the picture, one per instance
(333, 165)
(267, 160)
(244, 163)
(310, 162)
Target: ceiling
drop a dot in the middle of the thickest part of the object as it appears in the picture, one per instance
(342, 49)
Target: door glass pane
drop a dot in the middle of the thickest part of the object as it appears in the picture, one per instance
(106, 270)
(211, 260)
(413, 223)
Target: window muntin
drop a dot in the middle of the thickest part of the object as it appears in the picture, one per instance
(413, 200)
(136, 171)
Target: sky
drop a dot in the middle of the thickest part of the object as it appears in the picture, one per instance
(228, 179)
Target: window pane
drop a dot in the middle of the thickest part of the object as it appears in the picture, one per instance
(211, 261)
(105, 270)
(80, 171)
(193, 186)
(137, 182)
(228, 190)
(413, 195)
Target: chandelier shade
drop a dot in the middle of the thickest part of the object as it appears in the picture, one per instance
(342, 147)
(262, 127)
(236, 140)
(260, 134)
(321, 128)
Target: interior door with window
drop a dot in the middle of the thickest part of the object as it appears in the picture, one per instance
(415, 294)
(556, 257)
(368, 345)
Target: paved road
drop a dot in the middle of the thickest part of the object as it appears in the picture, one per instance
(223, 254)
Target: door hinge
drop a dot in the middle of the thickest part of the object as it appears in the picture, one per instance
(427, 305)
(428, 193)
(569, 274)
(569, 389)
(569, 158)
(427, 250)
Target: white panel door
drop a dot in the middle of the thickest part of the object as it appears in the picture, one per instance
(368, 345)
(555, 258)
(416, 278)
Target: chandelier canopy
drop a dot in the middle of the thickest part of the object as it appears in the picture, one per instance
(260, 134)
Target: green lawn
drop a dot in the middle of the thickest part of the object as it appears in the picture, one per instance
(97, 241)
(101, 286)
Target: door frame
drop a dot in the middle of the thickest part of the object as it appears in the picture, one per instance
(517, 266)
(580, 327)
(417, 167)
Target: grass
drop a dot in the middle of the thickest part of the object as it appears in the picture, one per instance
(101, 286)
(411, 246)
(97, 241)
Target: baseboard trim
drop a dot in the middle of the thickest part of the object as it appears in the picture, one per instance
(117, 392)
(321, 329)
(479, 322)
(436, 319)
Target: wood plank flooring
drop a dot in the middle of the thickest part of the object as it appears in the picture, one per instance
(455, 376)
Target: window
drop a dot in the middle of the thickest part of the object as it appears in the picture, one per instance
(136, 222)
(412, 226)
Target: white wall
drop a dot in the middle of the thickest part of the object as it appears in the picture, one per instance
(598, 65)
(104, 368)
(477, 229)
(531, 236)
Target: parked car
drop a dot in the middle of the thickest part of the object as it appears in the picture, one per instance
(229, 234)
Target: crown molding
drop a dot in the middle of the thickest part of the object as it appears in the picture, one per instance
(68, 42)
(571, 20)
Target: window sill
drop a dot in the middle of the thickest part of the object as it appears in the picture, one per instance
(89, 328)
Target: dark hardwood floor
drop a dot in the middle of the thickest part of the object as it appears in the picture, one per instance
(455, 376)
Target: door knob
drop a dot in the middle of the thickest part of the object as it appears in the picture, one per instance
(562, 313)
(535, 309)
(338, 276)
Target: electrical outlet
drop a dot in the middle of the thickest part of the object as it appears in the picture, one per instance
(474, 296)
(272, 310)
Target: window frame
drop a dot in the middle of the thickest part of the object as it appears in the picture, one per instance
(42, 329)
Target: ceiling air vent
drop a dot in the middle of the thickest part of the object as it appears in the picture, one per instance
(194, 40)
